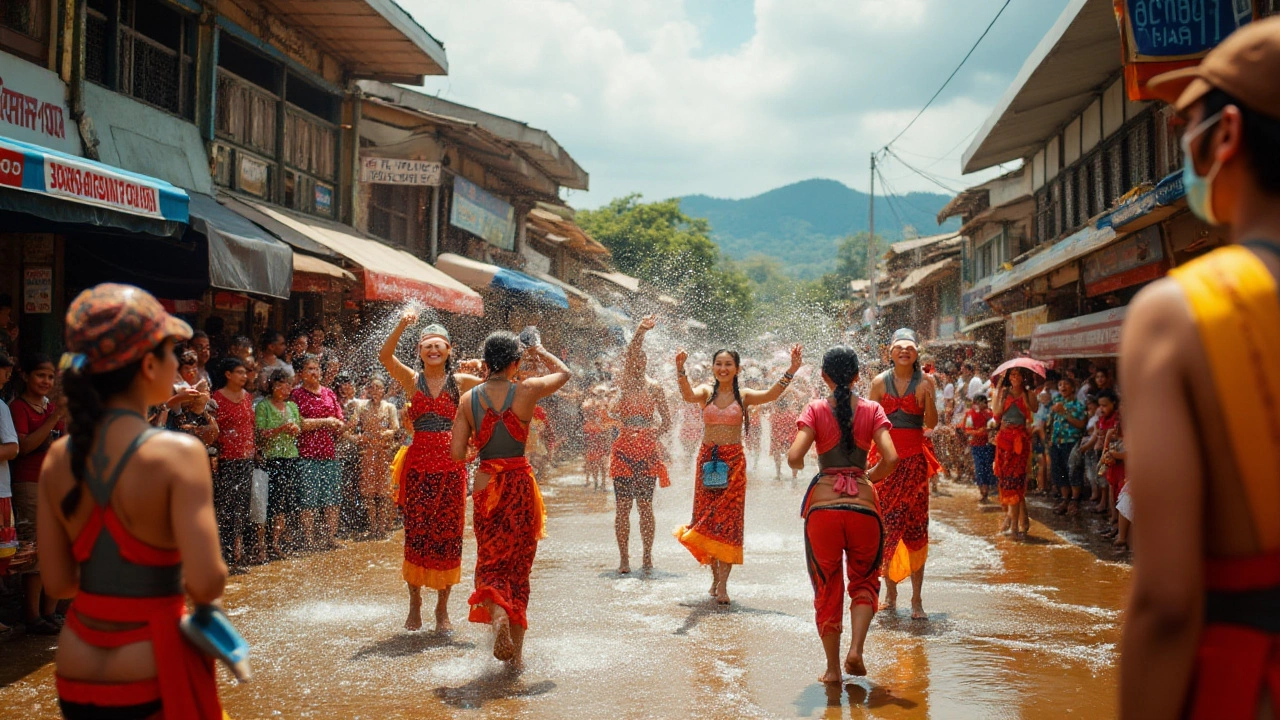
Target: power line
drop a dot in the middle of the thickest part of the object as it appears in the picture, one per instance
(927, 176)
(903, 198)
(952, 75)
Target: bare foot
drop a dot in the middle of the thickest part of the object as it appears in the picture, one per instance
(890, 601)
(504, 648)
(854, 665)
(722, 595)
(647, 564)
(414, 621)
(625, 566)
(830, 676)
(715, 586)
(917, 610)
(443, 626)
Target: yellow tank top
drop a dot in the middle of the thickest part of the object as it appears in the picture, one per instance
(1234, 301)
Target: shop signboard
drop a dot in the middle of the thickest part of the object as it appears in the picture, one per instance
(33, 106)
(1158, 35)
(324, 199)
(230, 301)
(394, 171)
(482, 214)
(1088, 336)
(1023, 324)
(35, 169)
(251, 175)
(1135, 259)
(37, 290)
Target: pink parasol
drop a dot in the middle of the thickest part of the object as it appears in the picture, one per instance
(1026, 363)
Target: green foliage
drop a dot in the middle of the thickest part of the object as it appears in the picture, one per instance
(659, 243)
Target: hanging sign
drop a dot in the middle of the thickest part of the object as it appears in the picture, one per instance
(1136, 259)
(482, 214)
(37, 290)
(392, 171)
(1157, 36)
(1022, 325)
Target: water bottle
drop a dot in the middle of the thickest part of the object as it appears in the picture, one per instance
(530, 336)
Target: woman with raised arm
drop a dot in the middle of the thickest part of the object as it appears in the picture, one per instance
(636, 463)
(842, 527)
(1014, 406)
(907, 396)
(126, 520)
(714, 536)
(433, 486)
(507, 513)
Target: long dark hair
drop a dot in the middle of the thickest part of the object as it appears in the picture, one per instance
(840, 364)
(715, 387)
(86, 404)
(450, 367)
(218, 379)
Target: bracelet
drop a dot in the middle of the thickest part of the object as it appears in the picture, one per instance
(783, 381)
(681, 373)
(789, 375)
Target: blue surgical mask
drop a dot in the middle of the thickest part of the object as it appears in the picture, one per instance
(1199, 189)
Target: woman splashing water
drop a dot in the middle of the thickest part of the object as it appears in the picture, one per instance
(714, 536)
(126, 520)
(907, 396)
(433, 486)
(636, 463)
(842, 525)
(507, 514)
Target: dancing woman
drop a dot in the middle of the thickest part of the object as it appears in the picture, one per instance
(842, 527)
(433, 486)
(507, 512)
(126, 520)
(1014, 406)
(907, 396)
(636, 462)
(714, 536)
(597, 432)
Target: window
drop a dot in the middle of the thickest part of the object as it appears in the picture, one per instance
(278, 133)
(393, 212)
(143, 49)
(24, 28)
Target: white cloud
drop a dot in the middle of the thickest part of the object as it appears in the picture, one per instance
(623, 87)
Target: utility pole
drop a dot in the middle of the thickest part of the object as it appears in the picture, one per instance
(871, 235)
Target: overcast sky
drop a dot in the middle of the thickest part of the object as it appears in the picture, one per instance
(732, 98)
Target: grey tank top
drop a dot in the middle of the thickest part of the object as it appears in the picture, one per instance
(106, 572)
(839, 457)
(501, 444)
(901, 418)
(430, 421)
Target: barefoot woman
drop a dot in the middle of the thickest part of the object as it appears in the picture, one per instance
(714, 536)
(126, 520)
(841, 517)
(636, 463)
(433, 486)
(907, 396)
(1015, 405)
(507, 512)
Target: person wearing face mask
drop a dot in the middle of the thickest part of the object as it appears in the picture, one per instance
(907, 396)
(433, 486)
(1200, 457)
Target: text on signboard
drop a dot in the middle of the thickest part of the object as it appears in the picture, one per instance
(31, 113)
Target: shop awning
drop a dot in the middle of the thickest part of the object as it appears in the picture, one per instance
(922, 275)
(389, 274)
(242, 256)
(284, 232)
(576, 295)
(1065, 251)
(626, 282)
(890, 301)
(315, 266)
(483, 275)
(981, 324)
(1088, 336)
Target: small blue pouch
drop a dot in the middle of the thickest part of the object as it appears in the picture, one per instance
(715, 472)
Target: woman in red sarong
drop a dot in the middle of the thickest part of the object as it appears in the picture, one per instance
(907, 396)
(842, 526)
(597, 432)
(131, 533)
(432, 487)
(1015, 406)
(782, 431)
(507, 514)
(714, 536)
(636, 460)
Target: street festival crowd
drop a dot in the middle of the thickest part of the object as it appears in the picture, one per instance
(278, 450)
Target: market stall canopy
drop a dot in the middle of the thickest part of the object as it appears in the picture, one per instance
(284, 232)
(316, 266)
(389, 274)
(64, 188)
(242, 256)
(626, 282)
(981, 324)
(577, 296)
(1088, 336)
(922, 275)
(483, 275)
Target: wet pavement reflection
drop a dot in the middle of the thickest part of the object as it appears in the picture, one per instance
(1018, 629)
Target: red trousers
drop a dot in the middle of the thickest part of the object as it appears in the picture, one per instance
(842, 539)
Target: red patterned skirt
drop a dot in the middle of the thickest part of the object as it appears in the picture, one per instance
(508, 517)
(1013, 452)
(716, 531)
(433, 497)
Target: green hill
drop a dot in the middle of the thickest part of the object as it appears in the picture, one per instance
(801, 224)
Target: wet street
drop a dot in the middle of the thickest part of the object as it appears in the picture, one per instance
(1018, 629)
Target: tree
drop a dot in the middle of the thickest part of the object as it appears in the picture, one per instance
(659, 243)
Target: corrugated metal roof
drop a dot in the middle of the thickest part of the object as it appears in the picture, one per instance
(922, 274)
(914, 244)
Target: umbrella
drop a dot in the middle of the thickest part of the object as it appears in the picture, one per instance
(1026, 363)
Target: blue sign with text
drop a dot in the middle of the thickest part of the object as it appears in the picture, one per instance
(1178, 28)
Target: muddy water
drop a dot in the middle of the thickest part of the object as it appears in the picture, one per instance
(1018, 629)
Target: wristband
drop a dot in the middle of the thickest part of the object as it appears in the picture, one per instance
(789, 375)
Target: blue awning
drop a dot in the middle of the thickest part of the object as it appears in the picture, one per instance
(482, 275)
(1147, 206)
(43, 171)
(517, 282)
